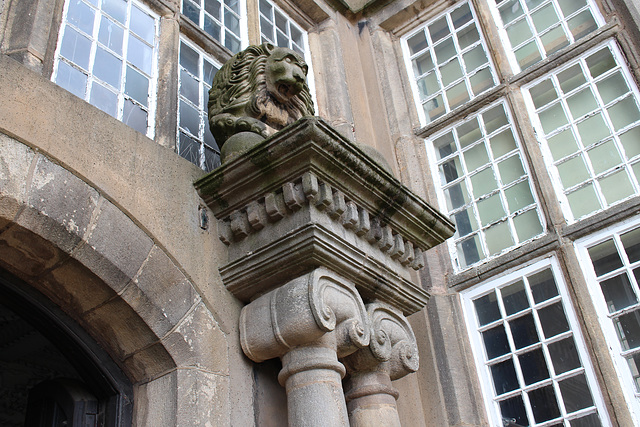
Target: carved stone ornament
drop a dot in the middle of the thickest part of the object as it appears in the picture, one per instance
(257, 92)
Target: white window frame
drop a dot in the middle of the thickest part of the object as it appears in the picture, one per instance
(615, 349)
(203, 112)
(408, 57)
(590, 5)
(121, 96)
(435, 170)
(477, 346)
(546, 152)
(242, 16)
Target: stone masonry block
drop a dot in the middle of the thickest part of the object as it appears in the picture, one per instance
(15, 159)
(192, 342)
(26, 253)
(156, 401)
(203, 399)
(116, 247)
(161, 292)
(149, 363)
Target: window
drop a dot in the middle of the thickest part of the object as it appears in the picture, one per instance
(223, 20)
(588, 116)
(195, 142)
(611, 262)
(536, 29)
(448, 62)
(107, 55)
(277, 28)
(529, 351)
(484, 185)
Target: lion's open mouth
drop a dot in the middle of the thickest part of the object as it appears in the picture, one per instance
(287, 91)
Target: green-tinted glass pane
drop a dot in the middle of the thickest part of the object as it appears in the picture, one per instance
(510, 10)
(582, 24)
(137, 86)
(528, 55)
(624, 112)
(570, 6)
(469, 132)
(527, 225)
(490, 209)
(481, 81)
(573, 171)
(476, 157)
(612, 87)
(428, 85)
(631, 142)
(494, 118)
(422, 64)
(605, 257)
(483, 182)
(583, 201)
(604, 156)
(461, 15)
(593, 129)
(475, 58)
(498, 238)
(519, 32)
(552, 118)
(571, 78)
(581, 103)
(457, 95)
(636, 170)
(503, 143)
(445, 50)
(468, 36)
(434, 108)
(456, 196)
(439, 29)
(544, 17)
(451, 72)
(562, 144)
(554, 40)
(601, 62)
(518, 196)
(616, 186)
(543, 93)
(417, 42)
(444, 145)
(510, 169)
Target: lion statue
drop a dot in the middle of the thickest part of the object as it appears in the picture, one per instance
(256, 93)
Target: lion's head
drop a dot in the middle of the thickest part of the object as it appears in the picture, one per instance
(263, 82)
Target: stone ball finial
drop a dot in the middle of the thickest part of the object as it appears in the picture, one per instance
(257, 92)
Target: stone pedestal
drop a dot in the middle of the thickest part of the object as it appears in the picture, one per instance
(316, 229)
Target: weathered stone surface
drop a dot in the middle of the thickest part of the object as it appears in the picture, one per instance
(156, 402)
(27, 254)
(149, 363)
(15, 160)
(203, 399)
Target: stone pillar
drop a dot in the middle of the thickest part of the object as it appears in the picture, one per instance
(308, 322)
(392, 354)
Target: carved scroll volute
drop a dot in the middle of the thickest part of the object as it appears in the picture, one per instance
(301, 312)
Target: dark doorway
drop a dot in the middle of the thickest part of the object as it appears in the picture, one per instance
(52, 373)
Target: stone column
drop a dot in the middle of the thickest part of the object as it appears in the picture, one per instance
(391, 354)
(309, 323)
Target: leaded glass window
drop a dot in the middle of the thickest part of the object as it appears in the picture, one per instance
(195, 142)
(277, 28)
(536, 29)
(531, 358)
(107, 55)
(484, 186)
(448, 62)
(224, 20)
(587, 114)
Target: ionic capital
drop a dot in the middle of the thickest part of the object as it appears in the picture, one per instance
(301, 312)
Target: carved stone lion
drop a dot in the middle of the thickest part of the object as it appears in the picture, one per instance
(257, 92)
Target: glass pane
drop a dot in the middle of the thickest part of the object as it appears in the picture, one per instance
(140, 54)
(417, 43)
(107, 68)
(601, 62)
(111, 35)
(494, 119)
(457, 95)
(543, 286)
(523, 330)
(266, 29)
(605, 257)
(634, 367)
(534, 366)
(510, 169)
(422, 64)
(573, 171)
(504, 377)
(266, 9)
(116, 8)
(483, 182)
(104, 99)
(189, 59)
(624, 112)
(553, 320)
(616, 186)
(209, 71)
(527, 225)
(487, 309)
(232, 43)
(461, 15)
(510, 10)
(618, 292)
(456, 196)
(554, 40)
(465, 222)
(593, 130)
(445, 50)
(476, 157)
(137, 86)
(468, 36)
(562, 144)
(519, 32)
(232, 22)
(543, 93)
(76, 47)
(451, 72)
(468, 132)
(428, 85)
(575, 393)
(213, 7)
(514, 298)
(439, 29)
(71, 79)
(570, 6)
(143, 25)
(503, 143)
(552, 118)
(630, 140)
(189, 119)
(628, 329)
(495, 342)
(212, 28)
(498, 238)
(564, 355)
(191, 11)
(544, 17)
(513, 410)
(189, 87)
(571, 78)
(631, 244)
(528, 55)
(211, 159)
(481, 81)
(189, 149)
(544, 404)
(434, 108)
(135, 117)
(582, 24)
(296, 36)
(81, 15)
(490, 209)
(475, 58)
(591, 420)
(444, 145)
(581, 103)
(583, 201)
(519, 196)
(604, 157)
(469, 251)
(451, 170)
(612, 87)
